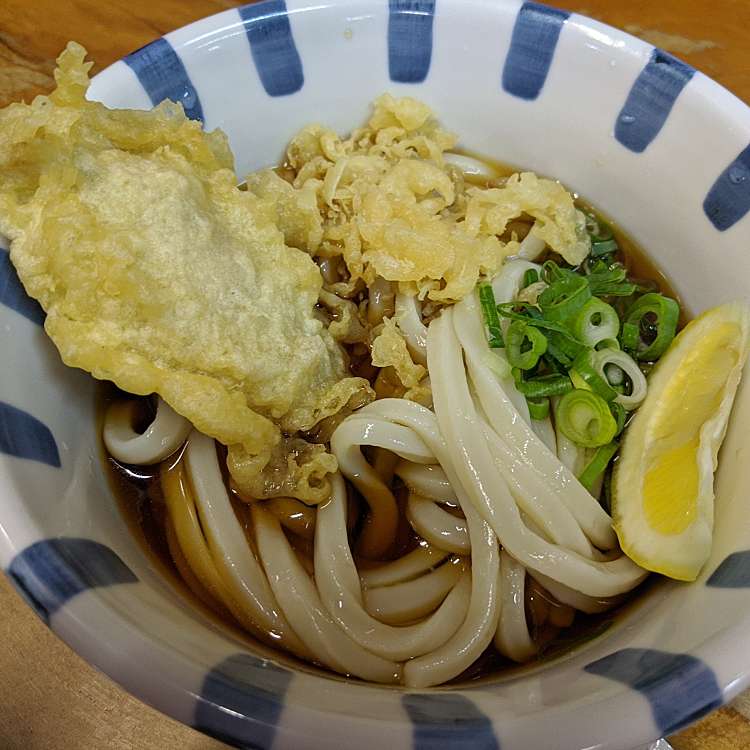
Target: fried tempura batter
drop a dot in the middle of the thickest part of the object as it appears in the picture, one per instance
(159, 274)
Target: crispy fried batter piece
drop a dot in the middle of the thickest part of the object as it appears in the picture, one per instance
(158, 273)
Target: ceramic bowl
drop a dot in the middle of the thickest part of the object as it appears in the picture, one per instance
(657, 146)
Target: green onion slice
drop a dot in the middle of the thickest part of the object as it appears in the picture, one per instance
(603, 247)
(538, 407)
(524, 345)
(608, 344)
(563, 348)
(595, 321)
(651, 325)
(606, 358)
(620, 415)
(598, 465)
(586, 369)
(533, 317)
(491, 318)
(586, 419)
(564, 297)
(610, 281)
(551, 272)
(530, 277)
(544, 386)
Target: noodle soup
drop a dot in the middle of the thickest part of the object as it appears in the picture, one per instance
(555, 627)
(387, 408)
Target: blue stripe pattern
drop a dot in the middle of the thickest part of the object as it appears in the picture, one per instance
(13, 295)
(448, 720)
(679, 687)
(272, 46)
(410, 39)
(24, 436)
(241, 700)
(728, 201)
(532, 48)
(733, 573)
(651, 100)
(163, 76)
(51, 572)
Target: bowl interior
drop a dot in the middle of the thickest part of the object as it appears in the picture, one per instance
(562, 110)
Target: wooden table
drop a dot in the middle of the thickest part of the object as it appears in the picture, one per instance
(49, 698)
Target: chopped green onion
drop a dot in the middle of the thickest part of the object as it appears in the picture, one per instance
(564, 297)
(491, 318)
(578, 381)
(618, 412)
(530, 277)
(603, 247)
(659, 332)
(610, 281)
(524, 345)
(532, 317)
(608, 344)
(595, 321)
(614, 374)
(629, 336)
(597, 465)
(585, 418)
(553, 365)
(630, 369)
(563, 348)
(551, 272)
(586, 369)
(544, 386)
(538, 407)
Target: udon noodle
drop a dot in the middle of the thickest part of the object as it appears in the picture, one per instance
(481, 485)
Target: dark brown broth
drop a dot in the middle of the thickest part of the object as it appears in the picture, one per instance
(139, 497)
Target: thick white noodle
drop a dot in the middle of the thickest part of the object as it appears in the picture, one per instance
(437, 526)
(428, 481)
(588, 604)
(555, 521)
(512, 637)
(339, 587)
(161, 438)
(480, 623)
(471, 166)
(531, 246)
(506, 421)
(487, 488)
(412, 600)
(299, 599)
(357, 431)
(545, 432)
(241, 572)
(413, 564)
(409, 320)
(293, 515)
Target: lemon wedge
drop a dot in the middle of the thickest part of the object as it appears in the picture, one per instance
(662, 488)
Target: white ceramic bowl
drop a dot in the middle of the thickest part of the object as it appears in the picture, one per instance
(658, 147)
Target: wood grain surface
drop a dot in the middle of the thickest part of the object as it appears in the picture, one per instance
(49, 698)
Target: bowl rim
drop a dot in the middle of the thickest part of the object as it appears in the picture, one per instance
(92, 643)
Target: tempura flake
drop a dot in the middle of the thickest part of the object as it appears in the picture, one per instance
(391, 206)
(156, 272)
